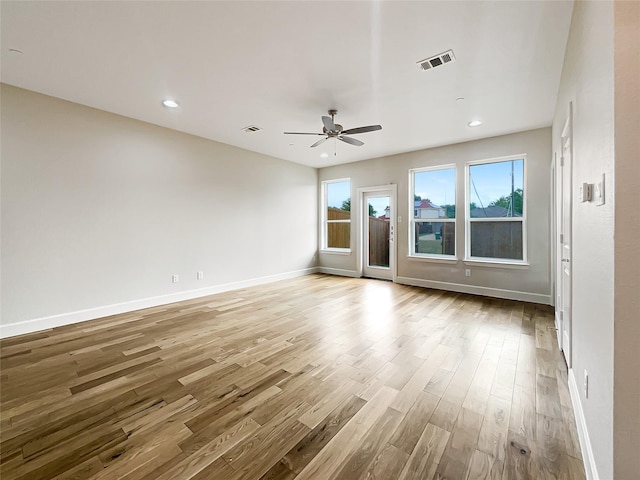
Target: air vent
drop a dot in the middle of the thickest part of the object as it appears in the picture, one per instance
(251, 129)
(437, 60)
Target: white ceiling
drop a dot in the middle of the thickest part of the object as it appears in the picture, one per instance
(282, 65)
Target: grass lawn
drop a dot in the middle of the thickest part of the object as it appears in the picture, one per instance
(430, 246)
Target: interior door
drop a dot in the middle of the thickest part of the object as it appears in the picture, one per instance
(565, 247)
(378, 234)
(556, 179)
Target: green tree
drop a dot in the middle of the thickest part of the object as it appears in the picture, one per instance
(505, 202)
(450, 211)
(346, 206)
(416, 197)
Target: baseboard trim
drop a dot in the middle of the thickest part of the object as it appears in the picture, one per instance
(45, 323)
(477, 290)
(590, 469)
(339, 271)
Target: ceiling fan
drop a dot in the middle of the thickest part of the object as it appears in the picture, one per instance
(334, 130)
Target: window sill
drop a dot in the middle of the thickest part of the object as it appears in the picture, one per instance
(336, 251)
(496, 264)
(448, 261)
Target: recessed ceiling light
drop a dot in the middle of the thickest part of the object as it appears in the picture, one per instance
(324, 155)
(475, 123)
(170, 103)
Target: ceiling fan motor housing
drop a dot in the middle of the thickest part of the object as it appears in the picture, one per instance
(335, 132)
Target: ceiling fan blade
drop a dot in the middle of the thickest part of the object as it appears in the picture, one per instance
(301, 133)
(328, 124)
(370, 128)
(352, 141)
(322, 140)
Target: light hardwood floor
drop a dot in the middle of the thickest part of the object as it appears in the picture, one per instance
(318, 377)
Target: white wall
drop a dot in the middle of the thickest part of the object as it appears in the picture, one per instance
(606, 256)
(99, 209)
(590, 89)
(531, 283)
(626, 392)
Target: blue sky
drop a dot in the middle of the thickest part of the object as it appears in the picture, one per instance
(491, 181)
(439, 186)
(379, 204)
(337, 192)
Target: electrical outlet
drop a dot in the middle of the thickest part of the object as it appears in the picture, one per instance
(467, 272)
(199, 275)
(174, 278)
(586, 384)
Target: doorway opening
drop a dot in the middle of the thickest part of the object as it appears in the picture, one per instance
(378, 232)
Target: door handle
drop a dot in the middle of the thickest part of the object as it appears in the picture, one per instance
(565, 260)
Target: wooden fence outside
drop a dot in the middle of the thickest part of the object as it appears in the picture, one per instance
(378, 242)
(339, 235)
(488, 239)
(496, 240)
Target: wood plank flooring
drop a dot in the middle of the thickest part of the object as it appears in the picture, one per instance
(317, 377)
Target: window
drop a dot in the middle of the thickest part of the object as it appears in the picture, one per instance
(337, 214)
(496, 211)
(433, 201)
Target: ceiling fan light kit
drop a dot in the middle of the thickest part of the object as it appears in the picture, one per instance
(331, 129)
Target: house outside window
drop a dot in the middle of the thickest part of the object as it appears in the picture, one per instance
(337, 215)
(433, 202)
(495, 210)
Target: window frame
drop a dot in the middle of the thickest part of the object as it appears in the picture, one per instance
(412, 214)
(326, 221)
(468, 259)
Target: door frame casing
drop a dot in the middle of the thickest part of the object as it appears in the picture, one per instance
(564, 188)
(556, 178)
(393, 250)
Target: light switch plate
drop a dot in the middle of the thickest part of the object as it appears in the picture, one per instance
(584, 192)
(598, 191)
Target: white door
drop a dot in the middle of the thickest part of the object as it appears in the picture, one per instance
(378, 234)
(565, 202)
(556, 177)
